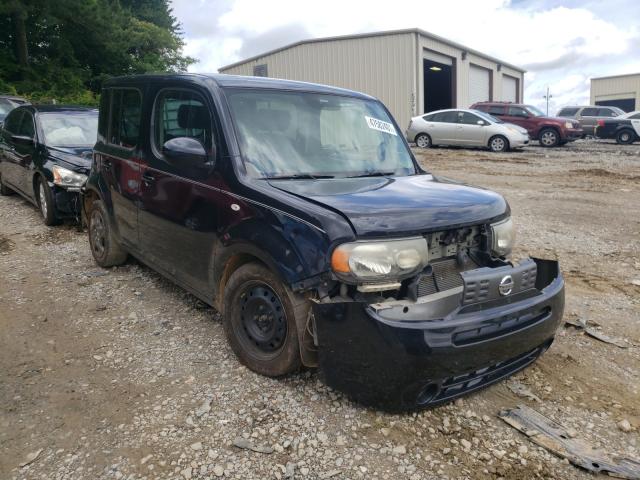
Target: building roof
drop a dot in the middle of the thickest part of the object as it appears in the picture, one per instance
(617, 76)
(376, 34)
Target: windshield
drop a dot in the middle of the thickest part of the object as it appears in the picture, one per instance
(291, 134)
(536, 112)
(69, 129)
(488, 117)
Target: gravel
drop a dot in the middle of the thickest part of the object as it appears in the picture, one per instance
(119, 374)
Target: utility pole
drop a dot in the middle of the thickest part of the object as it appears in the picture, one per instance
(547, 97)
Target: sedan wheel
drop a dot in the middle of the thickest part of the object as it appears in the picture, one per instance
(549, 138)
(499, 144)
(45, 202)
(423, 140)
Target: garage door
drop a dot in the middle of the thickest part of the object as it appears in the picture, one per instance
(509, 89)
(479, 84)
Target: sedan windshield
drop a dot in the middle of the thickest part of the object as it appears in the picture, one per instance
(308, 135)
(536, 112)
(69, 129)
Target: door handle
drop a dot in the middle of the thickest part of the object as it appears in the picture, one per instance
(148, 178)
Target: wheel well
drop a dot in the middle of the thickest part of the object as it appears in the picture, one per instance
(232, 264)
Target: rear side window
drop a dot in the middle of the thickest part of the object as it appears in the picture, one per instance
(181, 113)
(568, 112)
(446, 117)
(124, 125)
(606, 112)
(495, 110)
(429, 118)
(589, 112)
(12, 122)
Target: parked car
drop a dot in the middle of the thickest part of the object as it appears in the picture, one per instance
(625, 128)
(549, 131)
(589, 115)
(8, 103)
(45, 156)
(300, 213)
(467, 128)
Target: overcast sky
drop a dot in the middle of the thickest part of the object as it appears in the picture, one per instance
(560, 43)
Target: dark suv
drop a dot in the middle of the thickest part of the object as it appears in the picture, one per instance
(300, 213)
(549, 131)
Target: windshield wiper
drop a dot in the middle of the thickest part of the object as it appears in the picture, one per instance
(373, 174)
(298, 176)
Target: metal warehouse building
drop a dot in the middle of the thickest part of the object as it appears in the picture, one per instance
(411, 71)
(621, 91)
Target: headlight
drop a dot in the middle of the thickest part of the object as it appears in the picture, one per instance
(380, 261)
(568, 125)
(67, 178)
(503, 237)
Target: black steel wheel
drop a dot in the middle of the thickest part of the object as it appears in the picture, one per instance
(423, 140)
(625, 137)
(261, 318)
(105, 248)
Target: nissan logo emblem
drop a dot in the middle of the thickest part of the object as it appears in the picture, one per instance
(506, 285)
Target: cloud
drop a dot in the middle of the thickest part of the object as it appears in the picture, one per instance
(579, 38)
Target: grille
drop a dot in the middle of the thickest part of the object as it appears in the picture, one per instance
(445, 276)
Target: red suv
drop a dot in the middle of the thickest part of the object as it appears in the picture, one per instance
(549, 131)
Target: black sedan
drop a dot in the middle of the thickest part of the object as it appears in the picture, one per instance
(45, 156)
(625, 128)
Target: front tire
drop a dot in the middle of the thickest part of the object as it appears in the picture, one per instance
(499, 144)
(625, 137)
(46, 203)
(259, 314)
(105, 248)
(549, 138)
(423, 140)
(4, 190)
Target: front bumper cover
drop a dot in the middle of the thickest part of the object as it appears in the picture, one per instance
(380, 359)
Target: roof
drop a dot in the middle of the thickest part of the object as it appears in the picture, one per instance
(238, 81)
(376, 34)
(617, 76)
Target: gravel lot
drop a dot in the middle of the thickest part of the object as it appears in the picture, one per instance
(119, 374)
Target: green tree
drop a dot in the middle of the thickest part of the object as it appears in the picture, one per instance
(67, 48)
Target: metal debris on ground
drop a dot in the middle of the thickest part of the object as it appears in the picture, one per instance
(245, 444)
(555, 438)
(521, 390)
(588, 328)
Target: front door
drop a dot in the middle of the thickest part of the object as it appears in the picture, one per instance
(179, 202)
(118, 159)
(520, 116)
(470, 132)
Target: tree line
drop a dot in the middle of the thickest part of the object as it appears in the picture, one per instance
(65, 49)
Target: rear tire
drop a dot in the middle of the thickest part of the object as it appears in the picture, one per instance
(498, 144)
(423, 140)
(259, 315)
(4, 190)
(549, 137)
(106, 250)
(625, 137)
(47, 205)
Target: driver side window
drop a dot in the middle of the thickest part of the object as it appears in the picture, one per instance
(517, 112)
(181, 113)
(27, 128)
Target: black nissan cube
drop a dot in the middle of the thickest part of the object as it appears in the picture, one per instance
(299, 212)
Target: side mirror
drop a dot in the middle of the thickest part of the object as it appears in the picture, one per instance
(481, 123)
(22, 139)
(186, 151)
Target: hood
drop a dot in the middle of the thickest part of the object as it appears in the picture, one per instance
(77, 157)
(395, 206)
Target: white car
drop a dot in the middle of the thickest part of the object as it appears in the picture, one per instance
(465, 128)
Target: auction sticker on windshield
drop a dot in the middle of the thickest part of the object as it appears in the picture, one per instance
(380, 125)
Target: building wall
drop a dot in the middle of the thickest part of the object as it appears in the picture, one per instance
(616, 88)
(381, 66)
(462, 71)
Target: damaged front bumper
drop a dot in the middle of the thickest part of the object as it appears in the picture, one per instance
(402, 355)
